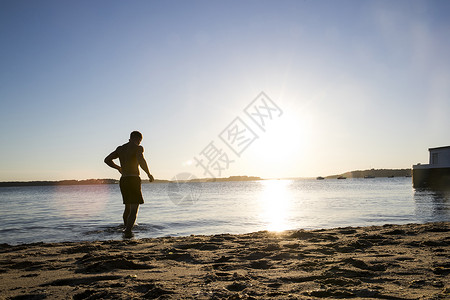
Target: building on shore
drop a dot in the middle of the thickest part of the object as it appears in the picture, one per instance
(436, 174)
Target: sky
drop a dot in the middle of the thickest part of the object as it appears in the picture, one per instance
(335, 86)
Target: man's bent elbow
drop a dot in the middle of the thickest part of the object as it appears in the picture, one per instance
(108, 161)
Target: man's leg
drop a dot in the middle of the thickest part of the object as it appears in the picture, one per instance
(134, 208)
(126, 213)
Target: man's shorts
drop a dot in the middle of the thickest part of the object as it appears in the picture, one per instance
(130, 187)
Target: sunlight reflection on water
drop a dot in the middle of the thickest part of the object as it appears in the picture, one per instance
(275, 201)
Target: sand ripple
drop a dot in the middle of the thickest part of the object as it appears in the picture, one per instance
(379, 262)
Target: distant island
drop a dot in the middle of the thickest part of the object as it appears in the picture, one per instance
(372, 173)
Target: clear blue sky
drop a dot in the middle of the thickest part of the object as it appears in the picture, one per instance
(362, 84)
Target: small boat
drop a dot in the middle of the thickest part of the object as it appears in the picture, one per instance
(320, 178)
(369, 176)
(342, 177)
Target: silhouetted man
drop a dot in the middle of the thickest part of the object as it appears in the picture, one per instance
(131, 157)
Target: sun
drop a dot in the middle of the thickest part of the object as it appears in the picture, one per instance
(282, 143)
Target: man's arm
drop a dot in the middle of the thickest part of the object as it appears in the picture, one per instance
(143, 163)
(109, 161)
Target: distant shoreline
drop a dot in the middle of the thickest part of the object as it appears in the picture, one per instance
(373, 173)
(60, 182)
(116, 181)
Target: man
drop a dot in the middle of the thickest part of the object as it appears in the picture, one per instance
(131, 157)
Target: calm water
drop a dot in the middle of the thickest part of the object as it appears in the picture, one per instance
(94, 212)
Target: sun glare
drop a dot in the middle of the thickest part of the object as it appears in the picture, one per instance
(282, 144)
(275, 201)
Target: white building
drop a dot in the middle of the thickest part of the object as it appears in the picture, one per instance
(437, 172)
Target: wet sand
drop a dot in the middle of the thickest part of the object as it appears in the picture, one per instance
(379, 262)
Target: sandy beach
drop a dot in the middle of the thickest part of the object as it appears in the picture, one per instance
(381, 262)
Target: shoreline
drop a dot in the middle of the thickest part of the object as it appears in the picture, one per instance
(390, 261)
(376, 173)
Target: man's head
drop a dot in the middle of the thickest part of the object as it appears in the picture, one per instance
(136, 137)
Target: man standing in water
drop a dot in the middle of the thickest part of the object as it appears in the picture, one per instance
(131, 157)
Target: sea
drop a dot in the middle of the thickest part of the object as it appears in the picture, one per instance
(94, 212)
